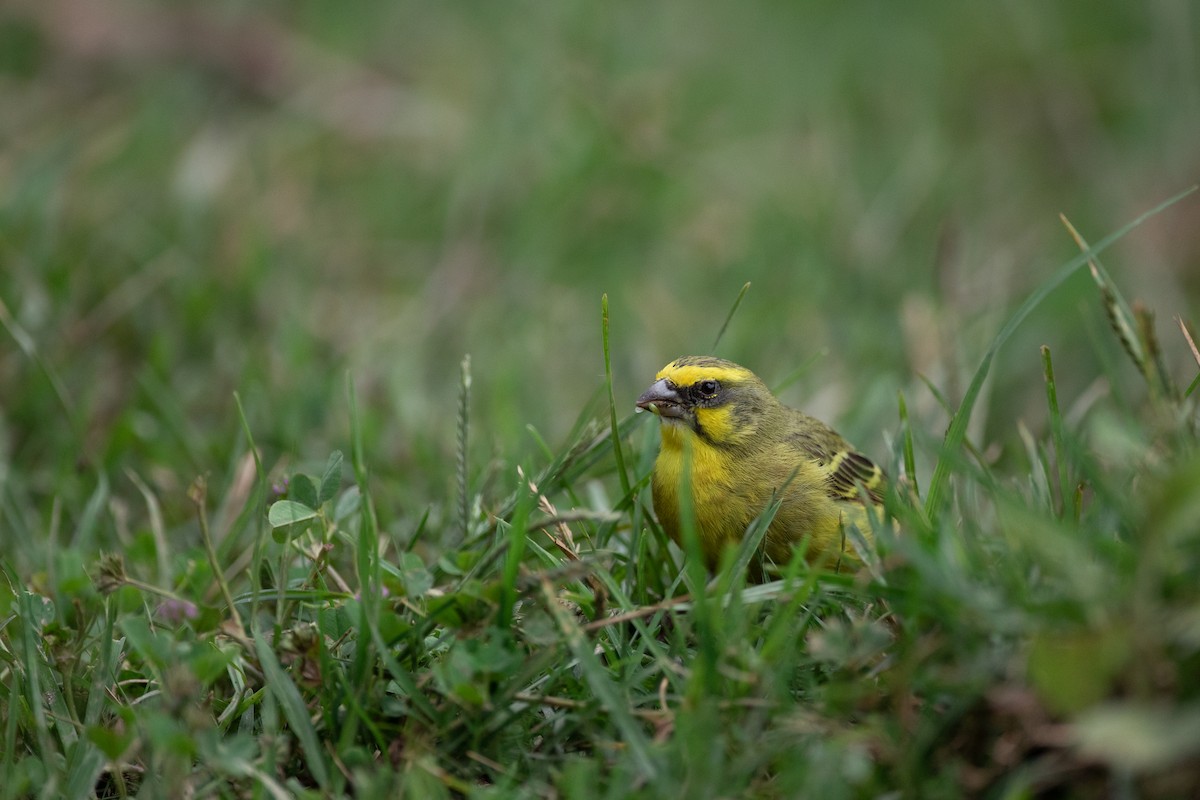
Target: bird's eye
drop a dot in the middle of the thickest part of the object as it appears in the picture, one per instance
(708, 388)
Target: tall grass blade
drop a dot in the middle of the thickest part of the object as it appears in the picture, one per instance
(795, 374)
(748, 548)
(1056, 429)
(1195, 354)
(367, 552)
(517, 537)
(910, 461)
(31, 628)
(198, 494)
(7, 780)
(84, 766)
(464, 420)
(260, 531)
(162, 547)
(281, 687)
(1120, 315)
(945, 404)
(29, 347)
(93, 513)
(695, 575)
(599, 679)
(958, 424)
(403, 678)
(728, 317)
(1134, 325)
(1159, 377)
(622, 473)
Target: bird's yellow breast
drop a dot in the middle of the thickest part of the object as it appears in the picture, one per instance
(724, 502)
(729, 490)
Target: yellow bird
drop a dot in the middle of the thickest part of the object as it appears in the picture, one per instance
(746, 448)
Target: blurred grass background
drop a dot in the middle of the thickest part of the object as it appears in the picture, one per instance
(198, 198)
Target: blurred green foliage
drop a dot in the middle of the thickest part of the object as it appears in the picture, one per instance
(197, 199)
(281, 199)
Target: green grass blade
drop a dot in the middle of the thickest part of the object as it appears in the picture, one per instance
(1120, 315)
(260, 529)
(600, 680)
(84, 766)
(280, 685)
(910, 461)
(1156, 363)
(622, 473)
(695, 575)
(29, 347)
(31, 629)
(463, 427)
(1192, 386)
(15, 686)
(795, 374)
(366, 550)
(1134, 325)
(1056, 429)
(748, 547)
(93, 512)
(728, 317)
(517, 533)
(958, 425)
(1187, 335)
(402, 677)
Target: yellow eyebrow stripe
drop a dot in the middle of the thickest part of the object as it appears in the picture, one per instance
(687, 375)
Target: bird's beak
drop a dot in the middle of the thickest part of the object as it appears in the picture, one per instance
(662, 399)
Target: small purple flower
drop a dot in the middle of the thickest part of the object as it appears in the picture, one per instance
(279, 488)
(175, 611)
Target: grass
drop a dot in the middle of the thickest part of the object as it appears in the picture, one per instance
(266, 532)
(1024, 637)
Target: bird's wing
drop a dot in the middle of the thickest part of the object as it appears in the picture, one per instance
(848, 470)
(845, 469)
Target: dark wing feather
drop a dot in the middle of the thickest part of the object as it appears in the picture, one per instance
(845, 468)
(849, 470)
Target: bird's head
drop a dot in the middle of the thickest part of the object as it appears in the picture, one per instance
(718, 401)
